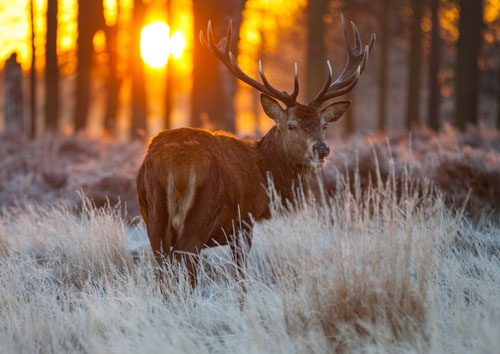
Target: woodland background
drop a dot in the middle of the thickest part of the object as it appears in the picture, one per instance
(430, 95)
(435, 61)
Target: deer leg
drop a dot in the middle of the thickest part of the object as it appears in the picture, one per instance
(153, 204)
(199, 223)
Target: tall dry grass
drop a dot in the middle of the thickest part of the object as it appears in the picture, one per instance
(378, 270)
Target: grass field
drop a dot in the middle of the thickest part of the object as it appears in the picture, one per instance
(378, 269)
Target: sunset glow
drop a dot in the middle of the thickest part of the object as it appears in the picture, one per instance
(156, 45)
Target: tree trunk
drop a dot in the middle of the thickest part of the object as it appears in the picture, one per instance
(384, 60)
(213, 86)
(467, 73)
(498, 96)
(139, 104)
(413, 101)
(90, 19)
(316, 63)
(51, 69)
(13, 94)
(435, 58)
(32, 127)
(113, 82)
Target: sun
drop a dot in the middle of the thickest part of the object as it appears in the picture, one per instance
(157, 45)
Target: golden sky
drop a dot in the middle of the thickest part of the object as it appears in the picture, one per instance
(259, 17)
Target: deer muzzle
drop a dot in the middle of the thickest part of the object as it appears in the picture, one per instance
(321, 150)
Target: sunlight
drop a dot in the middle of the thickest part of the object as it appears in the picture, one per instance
(156, 46)
(177, 43)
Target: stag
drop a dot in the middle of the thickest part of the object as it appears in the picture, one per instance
(194, 185)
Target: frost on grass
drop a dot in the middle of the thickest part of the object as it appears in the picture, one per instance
(378, 270)
(463, 166)
(57, 167)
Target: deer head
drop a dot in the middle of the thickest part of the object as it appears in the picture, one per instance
(302, 127)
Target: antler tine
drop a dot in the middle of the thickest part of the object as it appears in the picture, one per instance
(357, 37)
(345, 33)
(204, 42)
(266, 82)
(222, 51)
(345, 89)
(339, 88)
(326, 86)
(373, 38)
(356, 64)
(295, 83)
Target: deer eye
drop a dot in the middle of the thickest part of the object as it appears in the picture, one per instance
(292, 127)
(325, 126)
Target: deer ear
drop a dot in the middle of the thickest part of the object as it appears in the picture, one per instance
(272, 108)
(333, 112)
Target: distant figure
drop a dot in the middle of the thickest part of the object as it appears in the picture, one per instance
(13, 88)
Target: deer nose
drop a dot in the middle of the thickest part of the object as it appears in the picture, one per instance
(321, 150)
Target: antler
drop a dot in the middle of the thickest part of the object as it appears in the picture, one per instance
(356, 64)
(222, 51)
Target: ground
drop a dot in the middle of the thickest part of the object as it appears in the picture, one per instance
(409, 262)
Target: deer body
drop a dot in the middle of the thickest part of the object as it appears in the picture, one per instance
(193, 183)
(195, 187)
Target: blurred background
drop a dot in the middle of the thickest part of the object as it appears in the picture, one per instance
(128, 68)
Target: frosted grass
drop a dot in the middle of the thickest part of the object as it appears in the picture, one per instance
(379, 271)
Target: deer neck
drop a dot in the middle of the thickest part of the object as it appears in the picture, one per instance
(286, 174)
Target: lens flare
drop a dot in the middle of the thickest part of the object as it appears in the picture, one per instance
(177, 43)
(156, 45)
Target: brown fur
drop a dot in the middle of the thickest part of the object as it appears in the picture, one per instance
(194, 185)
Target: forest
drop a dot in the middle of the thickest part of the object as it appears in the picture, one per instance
(395, 248)
(432, 64)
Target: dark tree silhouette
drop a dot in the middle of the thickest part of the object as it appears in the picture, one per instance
(384, 18)
(90, 19)
(32, 122)
(498, 96)
(467, 72)
(13, 95)
(139, 106)
(316, 66)
(113, 81)
(213, 85)
(415, 59)
(435, 58)
(51, 69)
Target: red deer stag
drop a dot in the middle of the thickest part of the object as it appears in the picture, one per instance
(195, 185)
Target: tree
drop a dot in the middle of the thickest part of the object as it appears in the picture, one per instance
(213, 85)
(316, 67)
(384, 18)
(51, 69)
(32, 124)
(498, 96)
(139, 104)
(90, 20)
(13, 95)
(467, 72)
(113, 81)
(413, 100)
(435, 58)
